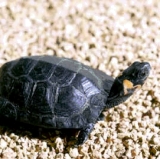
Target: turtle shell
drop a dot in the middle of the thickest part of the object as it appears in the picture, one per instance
(52, 92)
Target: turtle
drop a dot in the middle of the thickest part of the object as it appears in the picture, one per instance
(60, 93)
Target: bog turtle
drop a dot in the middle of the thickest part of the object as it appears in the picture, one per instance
(61, 93)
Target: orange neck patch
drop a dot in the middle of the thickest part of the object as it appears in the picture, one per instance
(129, 85)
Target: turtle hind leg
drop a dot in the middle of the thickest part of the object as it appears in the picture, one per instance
(84, 133)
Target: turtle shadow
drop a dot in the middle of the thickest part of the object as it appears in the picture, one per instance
(7, 127)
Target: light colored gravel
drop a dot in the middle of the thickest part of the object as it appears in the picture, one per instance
(108, 35)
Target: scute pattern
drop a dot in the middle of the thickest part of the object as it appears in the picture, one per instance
(78, 121)
(5, 89)
(22, 67)
(41, 71)
(62, 76)
(52, 92)
(22, 92)
(42, 98)
(7, 109)
(49, 121)
(70, 101)
(60, 124)
(89, 88)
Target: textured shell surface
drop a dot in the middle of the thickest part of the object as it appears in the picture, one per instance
(52, 92)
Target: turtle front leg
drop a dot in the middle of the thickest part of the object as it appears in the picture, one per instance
(84, 133)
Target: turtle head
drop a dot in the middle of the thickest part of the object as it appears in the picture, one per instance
(130, 80)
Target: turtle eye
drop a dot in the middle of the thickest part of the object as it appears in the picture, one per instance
(142, 74)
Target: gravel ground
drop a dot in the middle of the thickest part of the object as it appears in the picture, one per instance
(108, 35)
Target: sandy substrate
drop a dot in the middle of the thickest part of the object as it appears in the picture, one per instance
(108, 35)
